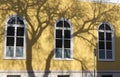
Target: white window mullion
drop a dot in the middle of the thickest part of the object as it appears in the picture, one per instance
(105, 42)
(15, 41)
(63, 40)
(71, 43)
(105, 45)
(112, 41)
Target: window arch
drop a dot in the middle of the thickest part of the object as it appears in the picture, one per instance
(63, 38)
(106, 39)
(15, 38)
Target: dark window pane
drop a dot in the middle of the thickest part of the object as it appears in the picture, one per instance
(107, 27)
(101, 35)
(59, 24)
(109, 54)
(10, 31)
(20, 31)
(58, 33)
(19, 51)
(63, 76)
(10, 51)
(109, 45)
(101, 27)
(20, 20)
(67, 53)
(66, 43)
(19, 41)
(13, 76)
(108, 36)
(10, 41)
(11, 20)
(101, 45)
(58, 53)
(66, 24)
(66, 33)
(107, 76)
(101, 54)
(58, 43)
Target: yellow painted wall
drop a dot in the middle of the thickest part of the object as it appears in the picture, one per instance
(84, 17)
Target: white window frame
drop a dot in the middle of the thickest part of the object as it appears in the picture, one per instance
(112, 34)
(71, 44)
(24, 43)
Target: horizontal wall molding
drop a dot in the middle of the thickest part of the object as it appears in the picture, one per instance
(47, 71)
(108, 71)
(116, 2)
(60, 71)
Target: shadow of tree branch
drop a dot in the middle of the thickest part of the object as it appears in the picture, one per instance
(47, 67)
(53, 12)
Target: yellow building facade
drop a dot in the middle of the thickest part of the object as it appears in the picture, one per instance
(62, 38)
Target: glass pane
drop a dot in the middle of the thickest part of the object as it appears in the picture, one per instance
(107, 27)
(13, 75)
(101, 54)
(58, 33)
(63, 76)
(59, 24)
(19, 41)
(20, 31)
(20, 20)
(67, 53)
(109, 55)
(108, 36)
(66, 33)
(107, 76)
(10, 31)
(101, 45)
(19, 51)
(101, 27)
(66, 24)
(12, 20)
(101, 35)
(109, 45)
(10, 41)
(66, 43)
(58, 53)
(58, 43)
(9, 51)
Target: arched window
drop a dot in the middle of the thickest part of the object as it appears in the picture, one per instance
(63, 38)
(105, 45)
(15, 37)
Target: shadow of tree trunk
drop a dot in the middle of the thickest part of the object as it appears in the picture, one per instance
(47, 67)
(23, 7)
(84, 67)
(29, 67)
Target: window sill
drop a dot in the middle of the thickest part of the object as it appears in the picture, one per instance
(14, 58)
(67, 59)
(107, 60)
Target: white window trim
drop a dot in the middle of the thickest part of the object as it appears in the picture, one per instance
(113, 52)
(71, 42)
(5, 35)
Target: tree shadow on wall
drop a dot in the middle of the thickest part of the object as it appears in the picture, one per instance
(48, 61)
(51, 11)
(85, 69)
(41, 9)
